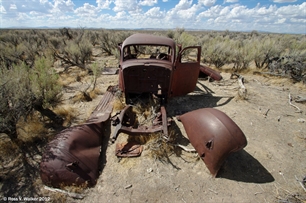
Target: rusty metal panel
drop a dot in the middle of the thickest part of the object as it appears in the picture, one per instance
(214, 136)
(185, 74)
(125, 122)
(140, 38)
(210, 72)
(72, 157)
(146, 78)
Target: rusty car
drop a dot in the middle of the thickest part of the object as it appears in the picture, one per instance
(157, 67)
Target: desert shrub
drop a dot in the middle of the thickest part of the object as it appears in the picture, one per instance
(24, 89)
(186, 39)
(241, 54)
(16, 98)
(44, 82)
(266, 49)
(217, 52)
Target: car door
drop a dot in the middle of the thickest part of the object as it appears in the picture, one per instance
(186, 71)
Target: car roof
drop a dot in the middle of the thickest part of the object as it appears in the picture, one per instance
(147, 39)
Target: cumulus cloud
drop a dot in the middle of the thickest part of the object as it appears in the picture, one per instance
(147, 2)
(62, 6)
(125, 5)
(207, 3)
(200, 14)
(284, 1)
(13, 7)
(154, 13)
(86, 11)
(2, 9)
(239, 17)
(104, 4)
(230, 1)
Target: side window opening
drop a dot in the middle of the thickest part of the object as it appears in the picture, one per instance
(189, 55)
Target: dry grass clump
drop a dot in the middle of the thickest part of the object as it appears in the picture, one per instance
(31, 128)
(65, 79)
(7, 147)
(94, 93)
(67, 113)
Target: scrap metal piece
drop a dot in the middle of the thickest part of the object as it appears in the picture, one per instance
(72, 157)
(214, 136)
(129, 149)
(210, 72)
(125, 123)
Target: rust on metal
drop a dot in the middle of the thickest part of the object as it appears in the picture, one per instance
(126, 123)
(149, 64)
(72, 157)
(128, 149)
(210, 72)
(214, 136)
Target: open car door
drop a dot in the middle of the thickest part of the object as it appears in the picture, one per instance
(186, 71)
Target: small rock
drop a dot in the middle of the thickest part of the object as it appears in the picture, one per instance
(301, 120)
(128, 186)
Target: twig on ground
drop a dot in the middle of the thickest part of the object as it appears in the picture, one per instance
(213, 191)
(298, 109)
(242, 91)
(185, 148)
(300, 182)
(266, 113)
(70, 194)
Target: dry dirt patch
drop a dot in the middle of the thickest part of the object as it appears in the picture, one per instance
(267, 170)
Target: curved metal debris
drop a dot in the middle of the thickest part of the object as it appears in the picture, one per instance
(72, 157)
(214, 136)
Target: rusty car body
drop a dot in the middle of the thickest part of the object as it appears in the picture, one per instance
(149, 65)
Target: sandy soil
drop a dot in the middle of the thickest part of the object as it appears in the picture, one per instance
(268, 169)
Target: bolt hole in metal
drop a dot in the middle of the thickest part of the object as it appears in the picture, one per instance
(209, 144)
(203, 156)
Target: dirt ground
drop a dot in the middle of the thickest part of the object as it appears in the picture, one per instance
(269, 169)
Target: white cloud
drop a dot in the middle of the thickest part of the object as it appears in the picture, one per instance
(2, 9)
(188, 13)
(240, 17)
(125, 5)
(284, 1)
(199, 14)
(86, 11)
(155, 13)
(104, 4)
(13, 7)
(207, 3)
(147, 2)
(63, 6)
(230, 1)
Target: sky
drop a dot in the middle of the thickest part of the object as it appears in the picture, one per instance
(279, 16)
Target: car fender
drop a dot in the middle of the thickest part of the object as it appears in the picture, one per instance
(214, 136)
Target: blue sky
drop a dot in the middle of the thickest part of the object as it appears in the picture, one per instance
(281, 16)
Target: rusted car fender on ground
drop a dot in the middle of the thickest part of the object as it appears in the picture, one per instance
(72, 157)
(210, 72)
(214, 136)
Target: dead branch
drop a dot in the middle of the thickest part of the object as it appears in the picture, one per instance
(242, 91)
(70, 194)
(298, 109)
(301, 183)
(185, 148)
